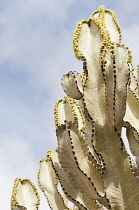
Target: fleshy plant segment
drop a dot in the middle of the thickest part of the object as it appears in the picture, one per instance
(91, 167)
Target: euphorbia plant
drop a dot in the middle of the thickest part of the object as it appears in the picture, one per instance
(91, 167)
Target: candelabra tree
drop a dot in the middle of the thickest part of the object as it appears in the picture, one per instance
(91, 167)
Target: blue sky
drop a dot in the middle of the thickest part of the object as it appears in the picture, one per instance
(35, 51)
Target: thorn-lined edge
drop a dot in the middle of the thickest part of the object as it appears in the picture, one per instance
(14, 201)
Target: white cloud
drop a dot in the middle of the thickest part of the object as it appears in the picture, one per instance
(16, 160)
(27, 44)
(32, 31)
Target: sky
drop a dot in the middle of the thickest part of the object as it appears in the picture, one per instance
(35, 51)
